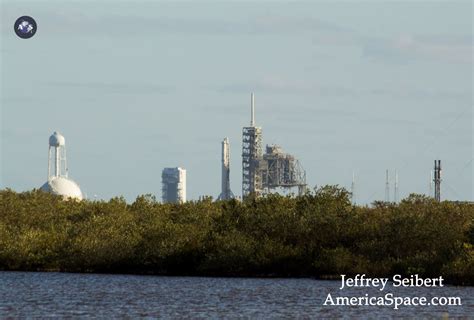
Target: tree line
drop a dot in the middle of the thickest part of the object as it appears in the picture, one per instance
(319, 234)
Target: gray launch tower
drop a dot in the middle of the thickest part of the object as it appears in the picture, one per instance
(226, 193)
(262, 173)
(251, 153)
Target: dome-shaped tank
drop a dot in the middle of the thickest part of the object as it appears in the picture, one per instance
(57, 140)
(63, 186)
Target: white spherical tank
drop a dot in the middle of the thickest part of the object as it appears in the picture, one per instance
(64, 187)
(57, 140)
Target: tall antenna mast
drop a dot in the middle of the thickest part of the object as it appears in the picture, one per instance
(431, 183)
(353, 188)
(395, 192)
(437, 180)
(252, 110)
(387, 187)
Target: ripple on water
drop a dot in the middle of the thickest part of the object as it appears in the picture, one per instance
(35, 294)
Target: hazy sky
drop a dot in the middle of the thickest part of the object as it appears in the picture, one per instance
(138, 86)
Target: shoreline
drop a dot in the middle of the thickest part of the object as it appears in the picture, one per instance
(215, 276)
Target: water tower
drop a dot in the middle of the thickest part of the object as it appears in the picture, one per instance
(58, 182)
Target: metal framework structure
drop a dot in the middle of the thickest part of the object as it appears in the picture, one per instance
(281, 170)
(353, 189)
(437, 180)
(431, 183)
(261, 173)
(387, 187)
(395, 188)
(251, 154)
(57, 146)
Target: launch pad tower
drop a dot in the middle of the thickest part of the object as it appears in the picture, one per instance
(262, 173)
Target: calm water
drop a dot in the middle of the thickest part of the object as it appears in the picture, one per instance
(92, 295)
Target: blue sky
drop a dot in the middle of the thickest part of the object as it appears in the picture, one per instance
(137, 86)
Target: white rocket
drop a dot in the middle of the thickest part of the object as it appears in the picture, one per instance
(226, 193)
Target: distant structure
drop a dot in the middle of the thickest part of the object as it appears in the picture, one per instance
(173, 185)
(395, 188)
(437, 180)
(262, 173)
(251, 153)
(226, 193)
(353, 189)
(431, 183)
(281, 170)
(58, 182)
(387, 187)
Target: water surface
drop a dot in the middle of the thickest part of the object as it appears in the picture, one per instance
(35, 294)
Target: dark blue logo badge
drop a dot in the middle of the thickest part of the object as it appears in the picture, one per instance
(25, 27)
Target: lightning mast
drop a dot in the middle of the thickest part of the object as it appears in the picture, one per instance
(353, 189)
(395, 189)
(437, 180)
(431, 183)
(387, 187)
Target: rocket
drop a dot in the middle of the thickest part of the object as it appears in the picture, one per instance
(226, 193)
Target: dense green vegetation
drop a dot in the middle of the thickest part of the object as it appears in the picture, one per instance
(319, 234)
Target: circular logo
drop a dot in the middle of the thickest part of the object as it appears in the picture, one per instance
(25, 27)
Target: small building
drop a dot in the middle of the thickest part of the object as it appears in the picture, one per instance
(173, 185)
